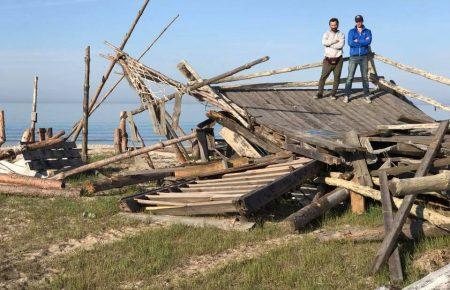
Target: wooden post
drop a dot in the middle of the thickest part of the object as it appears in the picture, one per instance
(26, 136)
(202, 144)
(84, 144)
(105, 77)
(390, 240)
(33, 111)
(2, 128)
(49, 133)
(123, 129)
(362, 175)
(42, 132)
(117, 141)
(395, 264)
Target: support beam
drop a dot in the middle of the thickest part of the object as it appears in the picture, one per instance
(33, 111)
(395, 264)
(313, 154)
(239, 144)
(417, 185)
(390, 239)
(255, 200)
(395, 171)
(2, 128)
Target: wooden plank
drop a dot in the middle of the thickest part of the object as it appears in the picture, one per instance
(439, 279)
(249, 135)
(253, 201)
(54, 164)
(395, 265)
(390, 239)
(437, 164)
(202, 144)
(313, 154)
(212, 207)
(239, 143)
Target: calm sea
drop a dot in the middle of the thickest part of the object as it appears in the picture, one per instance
(61, 116)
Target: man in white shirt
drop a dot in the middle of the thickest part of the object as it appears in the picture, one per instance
(333, 40)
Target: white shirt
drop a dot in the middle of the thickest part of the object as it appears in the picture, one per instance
(333, 43)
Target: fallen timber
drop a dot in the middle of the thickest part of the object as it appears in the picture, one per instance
(32, 191)
(416, 210)
(11, 153)
(16, 179)
(123, 156)
(391, 237)
(438, 182)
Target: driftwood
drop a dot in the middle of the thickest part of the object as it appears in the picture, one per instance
(123, 156)
(84, 143)
(223, 224)
(317, 208)
(437, 78)
(17, 179)
(438, 182)
(2, 128)
(391, 237)
(416, 210)
(77, 128)
(11, 153)
(37, 192)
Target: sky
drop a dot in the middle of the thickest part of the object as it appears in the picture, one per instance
(48, 38)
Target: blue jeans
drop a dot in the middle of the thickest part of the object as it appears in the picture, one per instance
(363, 62)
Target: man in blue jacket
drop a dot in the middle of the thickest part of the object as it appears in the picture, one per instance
(359, 40)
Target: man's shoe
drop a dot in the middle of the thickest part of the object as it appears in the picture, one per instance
(368, 100)
(346, 99)
(318, 96)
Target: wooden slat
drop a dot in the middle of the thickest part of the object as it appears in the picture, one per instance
(213, 207)
(51, 154)
(54, 164)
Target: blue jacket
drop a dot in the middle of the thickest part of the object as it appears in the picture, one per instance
(364, 40)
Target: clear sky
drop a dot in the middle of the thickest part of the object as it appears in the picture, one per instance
(48, 37)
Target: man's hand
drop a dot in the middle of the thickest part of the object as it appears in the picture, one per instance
(356, 40)
(336, 40)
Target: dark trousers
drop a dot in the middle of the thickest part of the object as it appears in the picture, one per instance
(363, 62)
(327, 68)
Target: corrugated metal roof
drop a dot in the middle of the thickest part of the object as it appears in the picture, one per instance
(295, 110)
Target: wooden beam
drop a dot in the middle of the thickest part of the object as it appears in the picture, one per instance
(435, 280)
(253, 201)
(31, 191)
(33, 111)
(417, 210)
(437, 164)
(416, 185)
(408, 126)
(123, 156)
(16, 179)
(203, 144)
(390, 240)
(317, 208)
(395, 264)
(249, 135)
(239, 144)
(87, 70)
(313, 154)
(361, 173)
(411, 69)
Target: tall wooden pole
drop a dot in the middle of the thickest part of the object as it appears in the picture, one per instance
(84, 147)
(77, 128)
(2, 128)
(33, 111)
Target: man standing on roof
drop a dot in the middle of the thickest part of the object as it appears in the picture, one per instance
(333, 40)
(359, 40)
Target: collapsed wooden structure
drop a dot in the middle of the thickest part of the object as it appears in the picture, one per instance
(276, 139)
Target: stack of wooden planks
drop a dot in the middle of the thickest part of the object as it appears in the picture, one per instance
(216, 195)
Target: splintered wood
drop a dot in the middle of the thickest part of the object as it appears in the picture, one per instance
(216, 196)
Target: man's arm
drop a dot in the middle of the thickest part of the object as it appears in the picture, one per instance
(341, 42)
(326, 41)
(352, 41)
(368, 39)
